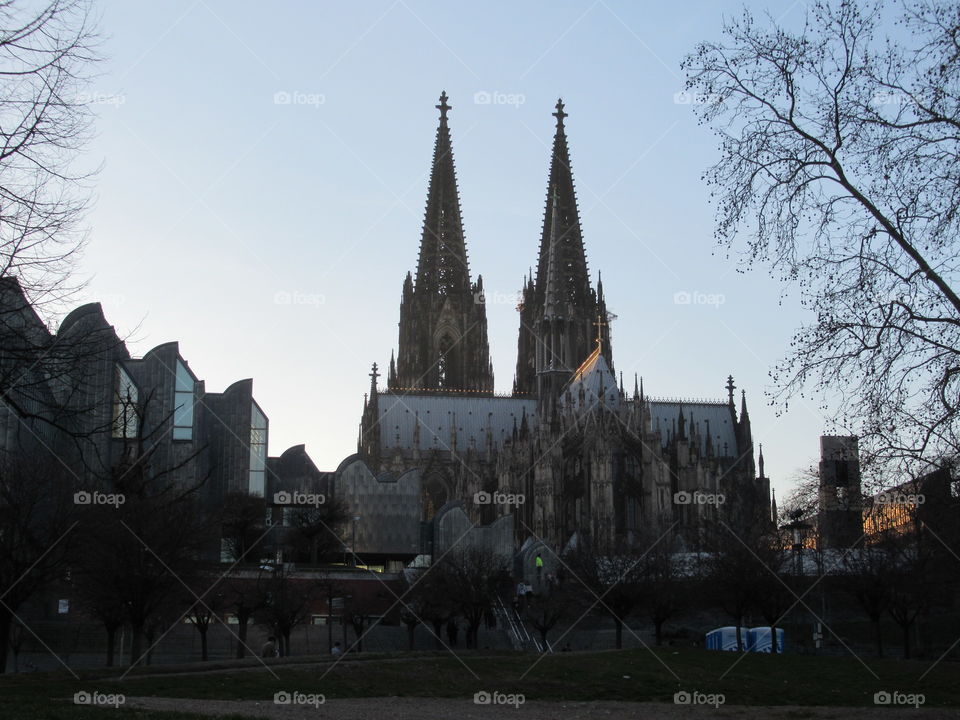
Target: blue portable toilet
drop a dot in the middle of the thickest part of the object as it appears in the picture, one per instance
(758, 640)
(725, 638)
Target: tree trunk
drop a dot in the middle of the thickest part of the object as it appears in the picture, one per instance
(618, 624)
(5, 619)
(906, 640)
(739, 636)
(286, 642)
(410, 631)
(658, 631)
(437, 629)
(203, 641)
(111, 641)
(879, 636)
(136, 644)
(242, 621)
(773, 639)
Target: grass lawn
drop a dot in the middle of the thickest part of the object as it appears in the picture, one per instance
(632, 675)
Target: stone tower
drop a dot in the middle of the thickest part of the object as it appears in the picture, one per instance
(560, 312)
(443, 320)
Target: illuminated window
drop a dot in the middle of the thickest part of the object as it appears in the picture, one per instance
(125, 419)
(183, 403)
(258, 451)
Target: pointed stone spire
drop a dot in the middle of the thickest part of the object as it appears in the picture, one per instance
(773, 505)
(443, 323)
(760, 461)
(730, 388)
(681, 424)
(636, 388)
(554, 305)
(443, 267)
(561, 225)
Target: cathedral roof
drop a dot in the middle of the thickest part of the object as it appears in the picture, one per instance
(700, 415)
(597, 382)
(400, 415)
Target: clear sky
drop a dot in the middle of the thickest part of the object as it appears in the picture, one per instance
(271, 238)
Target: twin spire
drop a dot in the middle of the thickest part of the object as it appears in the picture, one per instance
(442, 267)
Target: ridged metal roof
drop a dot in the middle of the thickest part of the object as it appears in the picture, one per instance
(438, 413)
(717, 414)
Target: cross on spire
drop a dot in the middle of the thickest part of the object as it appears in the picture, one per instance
(560, 114)
(373, 376)
(600, 324)
(443, 107)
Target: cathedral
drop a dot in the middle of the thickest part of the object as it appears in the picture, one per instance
(569, 450)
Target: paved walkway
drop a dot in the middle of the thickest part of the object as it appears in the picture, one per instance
(448, 709)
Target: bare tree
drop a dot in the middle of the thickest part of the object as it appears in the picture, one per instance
(47, 51)
(553, 605)
(473, 574)
(245, 597)
(286, 602)
(611, 578)
(840, 168)
(207, 599)
(37, 520)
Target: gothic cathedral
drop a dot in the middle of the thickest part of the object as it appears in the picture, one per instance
(586, 455)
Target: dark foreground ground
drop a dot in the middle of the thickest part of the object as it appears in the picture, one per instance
(609, 685)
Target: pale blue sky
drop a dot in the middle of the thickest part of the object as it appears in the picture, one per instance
(215, 200)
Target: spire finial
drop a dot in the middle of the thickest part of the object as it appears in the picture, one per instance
(560, 114)
(730, 388)
(443, 107)
(599, 323)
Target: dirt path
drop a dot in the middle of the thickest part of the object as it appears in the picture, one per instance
(447, 709)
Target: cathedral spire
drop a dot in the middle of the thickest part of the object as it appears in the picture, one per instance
(561, 225)
(443, 319)
(443, 266)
